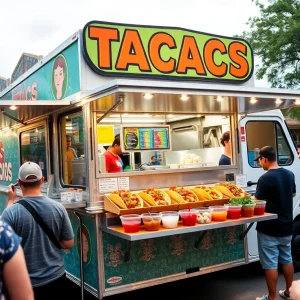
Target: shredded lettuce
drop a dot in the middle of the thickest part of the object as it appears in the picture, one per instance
(241, 200)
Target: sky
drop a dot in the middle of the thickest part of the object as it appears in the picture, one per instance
(38, 27)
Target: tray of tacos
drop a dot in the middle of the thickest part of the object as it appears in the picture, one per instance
(125, 202)
(235, 190)
(158, 200)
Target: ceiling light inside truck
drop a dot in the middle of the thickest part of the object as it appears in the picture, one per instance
(219, 98)
(148, 96)
(278, 101)
(184, 97)
(13, 107)
(253, 100)
(297, 102)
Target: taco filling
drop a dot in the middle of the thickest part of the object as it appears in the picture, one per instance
(157, 196)
(187, 195)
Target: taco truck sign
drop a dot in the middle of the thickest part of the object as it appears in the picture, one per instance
(165, 52)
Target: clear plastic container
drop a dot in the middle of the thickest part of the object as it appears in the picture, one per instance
(248, 210)
(260, 206)
(204, 215)
(234, 211)
(131, 223)
(219, 213)
(170, 219)
(151, 221)
(188, 217)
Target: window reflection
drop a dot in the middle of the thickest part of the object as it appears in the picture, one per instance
(72, 149)
(33, 148)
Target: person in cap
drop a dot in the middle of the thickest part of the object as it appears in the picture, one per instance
(43, 258)
(113, 161)
(277, 187)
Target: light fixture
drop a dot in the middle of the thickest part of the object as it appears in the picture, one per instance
(184, 97)
(219, 98)
(253, 100)
(278, 101)
(148, 96)
(13, 107)
(297, 102)
(170, 116)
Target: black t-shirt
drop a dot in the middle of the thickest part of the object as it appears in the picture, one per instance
(277, 187)
(224, 160)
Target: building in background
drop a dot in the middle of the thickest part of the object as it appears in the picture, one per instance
(25, 62)
(4, 83)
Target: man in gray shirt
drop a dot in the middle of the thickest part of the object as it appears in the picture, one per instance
(44, 260)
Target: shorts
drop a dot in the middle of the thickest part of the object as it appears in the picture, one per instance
(273, 250)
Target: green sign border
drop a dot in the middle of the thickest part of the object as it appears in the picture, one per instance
(162, 76)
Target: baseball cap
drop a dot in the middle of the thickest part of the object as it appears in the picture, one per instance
(32, 170)
(267, 152)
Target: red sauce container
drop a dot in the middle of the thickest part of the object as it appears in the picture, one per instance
(234, 211)
(131, 223)
(188, 217)
(260, 206)
(248, 210)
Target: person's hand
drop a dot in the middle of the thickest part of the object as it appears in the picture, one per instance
(295, 290)
(11, 193)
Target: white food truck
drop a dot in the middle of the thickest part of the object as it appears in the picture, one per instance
(178, 90)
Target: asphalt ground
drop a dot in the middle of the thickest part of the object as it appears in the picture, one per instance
(240, 283)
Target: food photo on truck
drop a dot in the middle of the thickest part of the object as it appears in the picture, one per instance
(156, 102)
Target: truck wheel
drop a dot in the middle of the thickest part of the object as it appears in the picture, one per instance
(296, 245)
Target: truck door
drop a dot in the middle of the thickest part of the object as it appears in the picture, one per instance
(256, 131)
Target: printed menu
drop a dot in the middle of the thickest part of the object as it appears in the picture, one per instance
(146, 138)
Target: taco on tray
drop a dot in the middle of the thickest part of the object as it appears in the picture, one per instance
(234, 189)
(182, 195)
(224, 190)
(126, 199)
(201, 193)
(155, 197)
(213, 193)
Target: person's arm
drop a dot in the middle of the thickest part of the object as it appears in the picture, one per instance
(108, 162)
(17, 283)
(11, 195)
(261, 190)
(66, 234)
(295, 290)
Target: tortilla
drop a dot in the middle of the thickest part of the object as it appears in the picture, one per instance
(214, 194)
(182, 195)
(127, 199)
(155, 197)
(225, 191)
(234, 189)
(201, 193)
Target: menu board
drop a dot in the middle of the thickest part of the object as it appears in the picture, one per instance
(146, 138)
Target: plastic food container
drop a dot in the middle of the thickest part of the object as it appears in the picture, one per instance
(151, 221)
(204, 215)
(170, 219)
(131, 223)
(188, 217)
(234, 211)
(248, 210)
(219, 213)
(260, 206)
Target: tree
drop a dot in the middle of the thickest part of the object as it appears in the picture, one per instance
(275, 38)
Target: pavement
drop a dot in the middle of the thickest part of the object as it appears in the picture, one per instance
(240, 283)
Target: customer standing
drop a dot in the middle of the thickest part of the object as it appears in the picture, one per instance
(44, 259)
(278, 188)
(14, 285)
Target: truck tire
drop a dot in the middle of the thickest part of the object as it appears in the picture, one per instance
(296, 245)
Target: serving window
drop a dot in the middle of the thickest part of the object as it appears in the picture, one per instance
(33, 147)
(267, 133)
(194, 141)
(72, 159)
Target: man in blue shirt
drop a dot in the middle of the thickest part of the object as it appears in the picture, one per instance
(154, 161)
(44, 260)
(277, 187)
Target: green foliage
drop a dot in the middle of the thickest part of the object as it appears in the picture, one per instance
(275, 38)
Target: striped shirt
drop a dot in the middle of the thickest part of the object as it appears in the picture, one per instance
(44, 260)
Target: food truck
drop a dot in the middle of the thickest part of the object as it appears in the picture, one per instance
(165, 92)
